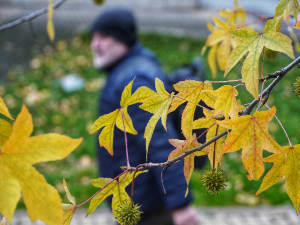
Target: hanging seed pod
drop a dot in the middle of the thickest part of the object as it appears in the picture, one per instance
(128, 213)
(297, 86)
(213, 181)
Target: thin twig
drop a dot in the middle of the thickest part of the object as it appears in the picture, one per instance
(282, 128)
(31, 16)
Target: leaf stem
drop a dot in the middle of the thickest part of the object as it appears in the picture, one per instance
(255, 22)
(282, 128)
(224, 81)
(77, 206)
(126, 145)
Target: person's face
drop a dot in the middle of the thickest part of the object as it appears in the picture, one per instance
(106, 50)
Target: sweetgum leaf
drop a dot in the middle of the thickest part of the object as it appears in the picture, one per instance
(5, 131)
(108, 121)
(215, 129)
(4, 109)
(253, 43)
(286, 164)
(111, 187)
(157, 104)
(251, 134)
(17, 155)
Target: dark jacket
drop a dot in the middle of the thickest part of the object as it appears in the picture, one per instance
(148, 191)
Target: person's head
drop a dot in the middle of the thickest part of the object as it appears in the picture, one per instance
(114, 32)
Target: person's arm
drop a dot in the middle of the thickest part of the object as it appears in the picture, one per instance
(185, 216)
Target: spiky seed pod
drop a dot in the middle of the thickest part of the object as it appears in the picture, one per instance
(213, 181)
(98, 2)
(297, 86)
(128, 213)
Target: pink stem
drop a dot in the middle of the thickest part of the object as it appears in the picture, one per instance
(126, 145)
(77, 206)
(224, 81)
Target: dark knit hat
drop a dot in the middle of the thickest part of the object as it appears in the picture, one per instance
(118, 23)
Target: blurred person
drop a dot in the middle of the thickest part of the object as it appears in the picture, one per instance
(117, 51)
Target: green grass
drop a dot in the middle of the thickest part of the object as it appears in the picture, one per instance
(72, 114)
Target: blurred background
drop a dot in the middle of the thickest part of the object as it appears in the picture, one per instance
(60, 87)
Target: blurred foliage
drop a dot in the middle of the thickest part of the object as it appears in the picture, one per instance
(73, 114)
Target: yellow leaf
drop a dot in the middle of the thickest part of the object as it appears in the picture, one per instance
(3, 221)
(111, 187)
(215, 148)
(108, 121)
(190, 90)
(226, 103)
(183, 146)
(68, 212)
(5, 131)
(69, 196)
(4, 109)
(285, 165)
(291, 6)
(251, 134)
(17, 155)
(50, 26)
(253, 43)
(211, 59)
(158, 105)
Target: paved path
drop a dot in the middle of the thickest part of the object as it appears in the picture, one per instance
(280, 215)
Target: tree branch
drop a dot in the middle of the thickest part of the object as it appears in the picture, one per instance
(279, 75)
(31, 16)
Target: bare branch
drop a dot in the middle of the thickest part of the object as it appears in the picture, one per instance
(31, 16)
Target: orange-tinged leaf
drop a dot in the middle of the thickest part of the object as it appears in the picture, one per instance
(183, 146)
(251, 134)
(4, 109)
(50, 26)
(115, 188)
(5, 131)
(286, 164)
(190, 90)
(215, 148)
(17, 155)
(157, 104)
(68, 212)
(297, 25)
(253, 43)
(226, 103)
